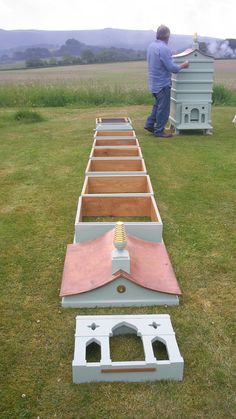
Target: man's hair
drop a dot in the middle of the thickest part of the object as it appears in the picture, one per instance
(163, 33)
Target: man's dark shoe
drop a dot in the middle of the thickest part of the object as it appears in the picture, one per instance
(164, 135)
(149, 129)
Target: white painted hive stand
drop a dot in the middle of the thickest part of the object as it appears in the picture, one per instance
(149, 328)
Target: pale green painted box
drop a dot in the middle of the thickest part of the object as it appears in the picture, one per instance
(191, 92)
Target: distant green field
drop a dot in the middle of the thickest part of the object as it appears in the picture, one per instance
(114, 84)
(129, 74)
(225, 73)
(13, 66)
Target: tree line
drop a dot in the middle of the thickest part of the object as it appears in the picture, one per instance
(73, 52)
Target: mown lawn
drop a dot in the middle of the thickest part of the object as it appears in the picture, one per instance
(42, 172)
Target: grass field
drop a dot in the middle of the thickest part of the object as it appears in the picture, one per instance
(129, 74)
(98, 84)
(42, 173)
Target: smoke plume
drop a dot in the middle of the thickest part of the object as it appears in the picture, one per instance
(221, 49)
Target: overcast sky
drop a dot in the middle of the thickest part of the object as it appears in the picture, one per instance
(215, 18)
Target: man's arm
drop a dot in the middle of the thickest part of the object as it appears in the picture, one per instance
(166, 59)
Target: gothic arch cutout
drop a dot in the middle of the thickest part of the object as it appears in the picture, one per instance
(159, 348)
(93, 350)
(124, 328)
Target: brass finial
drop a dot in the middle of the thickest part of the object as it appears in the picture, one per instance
(120, 238)
(195, 41)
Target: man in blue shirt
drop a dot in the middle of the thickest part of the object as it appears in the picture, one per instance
(160, 67)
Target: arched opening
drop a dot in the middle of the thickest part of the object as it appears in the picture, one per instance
(194, 116)
(125, 344)
(159, 350)
(93, 352)
(124, 328)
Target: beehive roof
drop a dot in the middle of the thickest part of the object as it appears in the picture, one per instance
(189, 51)
(88, 266)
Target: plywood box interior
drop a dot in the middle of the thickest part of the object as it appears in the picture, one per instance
(109, 142)
(127, 133)
(117, 184)
(110, 165)
(116, 152)
(125, 206)
(102, 120)
(98, 214)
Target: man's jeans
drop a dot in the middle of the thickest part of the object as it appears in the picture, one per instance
(160, 111)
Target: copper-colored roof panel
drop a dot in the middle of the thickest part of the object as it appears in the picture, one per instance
(88, 266)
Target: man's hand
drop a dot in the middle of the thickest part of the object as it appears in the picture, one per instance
(185, 64)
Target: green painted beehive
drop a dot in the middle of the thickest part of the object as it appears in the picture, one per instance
(191, 92)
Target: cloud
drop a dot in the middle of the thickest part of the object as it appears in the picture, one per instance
(207, 17)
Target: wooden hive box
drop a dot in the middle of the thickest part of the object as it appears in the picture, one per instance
(115, 142)
(113, 185)
(115, 166)
(113, 124)
(119, 151)
(97, 215)
(125, 135)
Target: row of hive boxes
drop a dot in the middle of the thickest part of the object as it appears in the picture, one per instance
(117, 187)
(115, 152)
